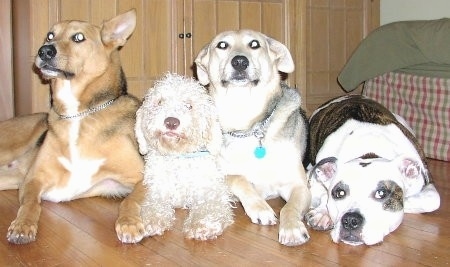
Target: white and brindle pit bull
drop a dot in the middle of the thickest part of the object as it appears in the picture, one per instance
(368, 170)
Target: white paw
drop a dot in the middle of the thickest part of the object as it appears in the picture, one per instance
(129, 229)
(261, 213)
(205, 232)
(293, 236)
(154, 229)
(319, 219)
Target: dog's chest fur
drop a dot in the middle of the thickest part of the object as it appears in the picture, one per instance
(283, 135)
(80, 170)
(182, 180)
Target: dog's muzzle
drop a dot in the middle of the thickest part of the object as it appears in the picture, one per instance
(47, 52)
(171, 123)
(351, 227)
(240, 75)
(240, 63)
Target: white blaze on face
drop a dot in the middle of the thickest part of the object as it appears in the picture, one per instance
(358, 187)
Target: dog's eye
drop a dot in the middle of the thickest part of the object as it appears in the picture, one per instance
(50, 36)
(340, 191)
(188, 106)
(78, 37)
(254, 44)
(222, 45)
(381, 193)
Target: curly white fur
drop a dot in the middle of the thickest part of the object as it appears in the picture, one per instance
(179, 133)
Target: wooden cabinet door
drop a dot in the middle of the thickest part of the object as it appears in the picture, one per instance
(6, 81)
(334, 28)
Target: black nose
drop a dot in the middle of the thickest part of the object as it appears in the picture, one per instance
(352, 220)
(239, 63)
(47, 52)
(171, 123)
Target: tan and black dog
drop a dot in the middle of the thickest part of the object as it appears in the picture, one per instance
(78, 149)
(264, 127)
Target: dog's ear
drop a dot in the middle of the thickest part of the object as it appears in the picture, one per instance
(409, 168)
(325, 169)
(201, 63)
(116, 31)
(420, 196)
(143, 146)
(284, 60)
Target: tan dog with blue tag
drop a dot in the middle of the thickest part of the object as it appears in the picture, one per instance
(264, 127)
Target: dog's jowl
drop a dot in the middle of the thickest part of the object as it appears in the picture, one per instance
(264, 127)
(91, 114)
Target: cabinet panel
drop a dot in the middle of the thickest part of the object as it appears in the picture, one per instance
(6, 82)
(75, 9)
(203, 27)
(250, 14)
(101, 10)
(156, 30)
(227, 15)
(273, 20)
(334, 29)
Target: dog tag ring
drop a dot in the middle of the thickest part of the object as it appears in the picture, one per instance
(260, 151)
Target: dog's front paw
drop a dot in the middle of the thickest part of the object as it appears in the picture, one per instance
(319, 219)
(294, 235)
(154, 229)
(261, 213)
(130, 229)
(22, 232)
(158, 217)
(204, 231)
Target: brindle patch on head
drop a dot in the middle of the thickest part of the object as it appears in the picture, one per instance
(365, 164)
(370, 155)
(390, 194)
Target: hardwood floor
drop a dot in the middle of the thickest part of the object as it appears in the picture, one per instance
(81, 233)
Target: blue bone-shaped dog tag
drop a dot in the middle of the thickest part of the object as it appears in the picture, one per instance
(260, 151)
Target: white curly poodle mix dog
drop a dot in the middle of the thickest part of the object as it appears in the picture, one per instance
(178, 131)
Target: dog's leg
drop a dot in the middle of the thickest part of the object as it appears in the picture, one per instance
(158, 215)
(20, 139)
(254, 205)
(427, 200)
(317, 217)
(129, 225)
(292, 229)
(24, 228)
(20, 135)
(208, 219)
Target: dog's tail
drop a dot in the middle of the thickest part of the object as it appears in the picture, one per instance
(20, 139)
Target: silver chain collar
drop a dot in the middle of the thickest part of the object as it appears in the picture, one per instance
(89, 111)
(257, 131)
